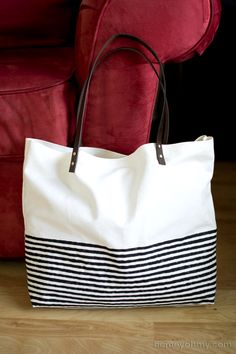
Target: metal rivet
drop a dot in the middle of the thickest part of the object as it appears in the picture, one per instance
(161, 156)
(159, 146)
(72, 163)
(74, 153)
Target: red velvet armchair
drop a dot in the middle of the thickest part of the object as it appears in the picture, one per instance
(37, 95)
(39, 66)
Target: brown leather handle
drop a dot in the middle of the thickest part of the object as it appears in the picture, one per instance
(164, 121)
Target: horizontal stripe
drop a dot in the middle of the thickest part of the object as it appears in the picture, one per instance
(94, 259)
(96, 247)
(170, 271)
(115, 273)
(65, 273)
(133, 300)
(209, 294)
(60, 249)
(210, 285)
(118, 265)
(102, 287)
(72, 284)
(105, 306)
(126, 306)
(205, 277)
(208, 299)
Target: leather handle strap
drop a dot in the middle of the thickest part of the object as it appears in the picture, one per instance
(82, 107)
(163, 134)
(140, 42)
(164, 121)
(133, 39)
(84, 95)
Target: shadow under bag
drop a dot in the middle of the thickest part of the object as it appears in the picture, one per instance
(103, 229)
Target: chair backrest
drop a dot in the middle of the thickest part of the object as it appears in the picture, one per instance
(37, 23)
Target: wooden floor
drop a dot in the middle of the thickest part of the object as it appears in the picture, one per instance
(202, 329)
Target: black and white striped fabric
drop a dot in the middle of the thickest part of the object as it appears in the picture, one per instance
(74, 274)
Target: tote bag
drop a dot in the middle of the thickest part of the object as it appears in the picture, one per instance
(108, 230)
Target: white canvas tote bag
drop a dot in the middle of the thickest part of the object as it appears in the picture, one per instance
(107, 230)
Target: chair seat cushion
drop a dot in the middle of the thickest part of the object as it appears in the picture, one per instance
(35, 93)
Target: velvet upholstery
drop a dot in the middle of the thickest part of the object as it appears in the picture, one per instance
(11, 219)
(36, 23)
(37, 95)
(34, 88)
(37, 99)
(177, 29)
(120, 103)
